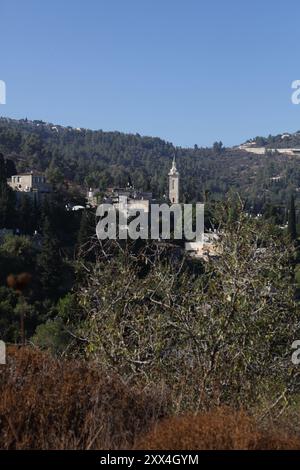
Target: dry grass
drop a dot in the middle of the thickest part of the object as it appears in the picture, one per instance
(48, 403)
(220, 429)
(51, 404)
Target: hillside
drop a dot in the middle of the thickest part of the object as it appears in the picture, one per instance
(279, 141)
(100, 159)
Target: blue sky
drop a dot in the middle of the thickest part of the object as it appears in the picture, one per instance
(188, 71)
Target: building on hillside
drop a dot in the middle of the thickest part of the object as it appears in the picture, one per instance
(31, 183)
(129, 201)
(125, 205)
(130, 192)
(249, 147)
(174, 184)
(207, 248)
(128, 198)
(92, 198)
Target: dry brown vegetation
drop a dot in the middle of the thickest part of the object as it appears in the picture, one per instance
(54, 404)
(218, 429)
(48, 403)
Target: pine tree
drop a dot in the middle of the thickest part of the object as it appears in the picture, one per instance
(292, 230)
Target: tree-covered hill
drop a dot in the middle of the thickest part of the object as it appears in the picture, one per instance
(279, 141)
(100, 159)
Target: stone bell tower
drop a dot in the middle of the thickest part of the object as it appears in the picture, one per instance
(174, 184)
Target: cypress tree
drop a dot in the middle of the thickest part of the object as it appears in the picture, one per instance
(7, 199)
(2, 169)
(292, 230)
(49, 263)
(25, 219)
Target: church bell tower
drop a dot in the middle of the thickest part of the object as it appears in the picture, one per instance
(174, 184)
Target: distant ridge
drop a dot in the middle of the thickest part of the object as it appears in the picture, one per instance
(94, 158)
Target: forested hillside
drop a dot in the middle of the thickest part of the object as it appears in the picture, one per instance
(285, 140)
(100, 159)
(137, 320)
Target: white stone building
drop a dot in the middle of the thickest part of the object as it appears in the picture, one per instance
(206, 248)
(29, 183)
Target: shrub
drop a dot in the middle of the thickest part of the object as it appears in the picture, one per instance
(52, 337)
(220, 429)
(54, 404)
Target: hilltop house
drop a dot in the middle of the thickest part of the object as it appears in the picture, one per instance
(33, 183)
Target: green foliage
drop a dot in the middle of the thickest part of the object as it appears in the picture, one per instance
(297, 275)
(52, 336)
(11, 307)
(7, 199)
(292, 228)
(225, 335)
(70, 313)
(9, 320)
(220, 332)
(49, 263)
(54, 175)
(17, 254)
(277, 142)
(101, 159)
(28, 215)
(18, 246)
(2, 169)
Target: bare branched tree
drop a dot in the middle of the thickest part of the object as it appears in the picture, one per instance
(223, 336)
